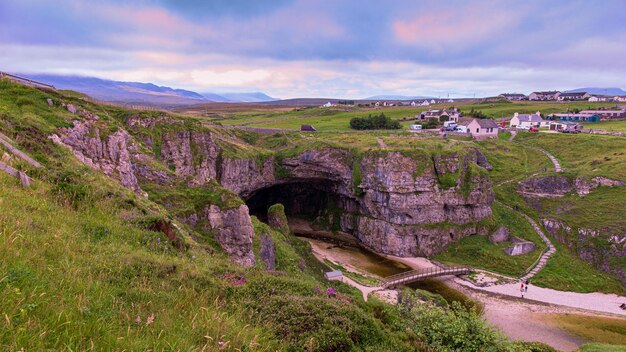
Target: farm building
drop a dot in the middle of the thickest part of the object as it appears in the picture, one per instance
(307, 128)
(575, 117)
(606, 114)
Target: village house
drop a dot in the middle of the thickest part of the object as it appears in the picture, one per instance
(513, 96)
(574, 96)
(595, 98)
(327, 105)
(453, 114)
(619, 99)
(549, 95)
(425, 103)
(575, 117)
(482, 128)
(528, 120)
(568, 126)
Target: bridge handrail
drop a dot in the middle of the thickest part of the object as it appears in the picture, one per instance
(422, 272)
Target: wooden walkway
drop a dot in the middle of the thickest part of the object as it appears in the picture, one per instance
(417, 275)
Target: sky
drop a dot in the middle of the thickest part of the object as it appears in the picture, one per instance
(323, 48)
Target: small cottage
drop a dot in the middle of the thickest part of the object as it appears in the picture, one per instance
(483, 128)
(528, 120)
(568, 126)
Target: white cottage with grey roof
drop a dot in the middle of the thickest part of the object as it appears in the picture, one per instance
(528, 120)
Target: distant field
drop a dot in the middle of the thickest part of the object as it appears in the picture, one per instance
(338, 118)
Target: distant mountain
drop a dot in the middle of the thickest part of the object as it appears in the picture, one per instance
(599, 91)
(254, 97)
(141, 93)
(396, 97)
(122, 92)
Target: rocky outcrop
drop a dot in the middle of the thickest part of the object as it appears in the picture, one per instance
(592, 245)
(559, 186)
(500, 235)
(584, 186)
(267, 253)
(110, 154)
(519, 247)
(277, 219)
(233, 229)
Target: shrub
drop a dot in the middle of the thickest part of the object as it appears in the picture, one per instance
(375, 122)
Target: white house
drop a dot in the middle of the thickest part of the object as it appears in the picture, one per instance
(483, 128)
(527, 121)
(550, 95)
(327, 105)
(574, 96)
(565, 126)
(450, 100)
(620, 99)
(413, 103)
(432, 101)
(425, 103)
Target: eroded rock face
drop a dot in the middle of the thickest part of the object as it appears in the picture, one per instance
(592, 245)
(109, 154)
(559, 186)
(402, 202)
(192, 155)
(233, 229)
(267, 254)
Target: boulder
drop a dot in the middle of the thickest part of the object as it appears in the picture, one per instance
(500, 235)
(234, 231)
(277, 219)
(50, 102)
(71, 108)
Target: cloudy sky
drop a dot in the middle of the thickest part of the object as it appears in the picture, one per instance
(323, 48)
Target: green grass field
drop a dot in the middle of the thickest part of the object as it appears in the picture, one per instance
(598, 330)
(338, 118)
(612, 126)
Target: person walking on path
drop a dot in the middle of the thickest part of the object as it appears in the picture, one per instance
(522, 289)
(527, 283)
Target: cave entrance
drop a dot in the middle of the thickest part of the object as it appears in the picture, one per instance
(304, 199)
(313, 207)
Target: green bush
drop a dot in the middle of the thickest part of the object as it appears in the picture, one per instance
(375, 122)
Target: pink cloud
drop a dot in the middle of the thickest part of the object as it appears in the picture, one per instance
(440, 29)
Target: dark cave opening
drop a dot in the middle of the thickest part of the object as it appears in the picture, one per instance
(307, 199)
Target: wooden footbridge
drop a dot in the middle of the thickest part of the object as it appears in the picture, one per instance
(417, 275)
